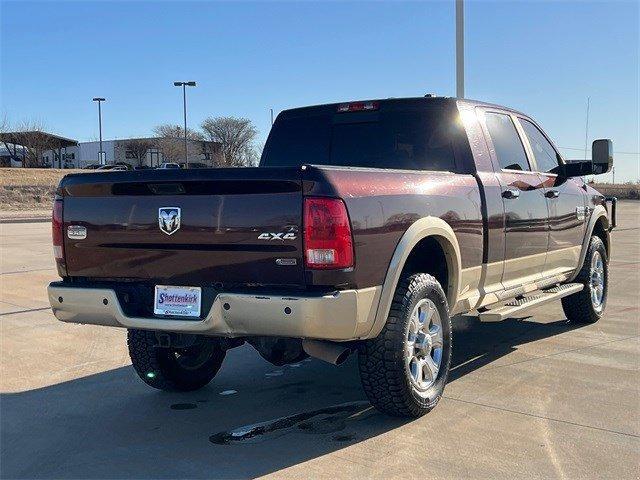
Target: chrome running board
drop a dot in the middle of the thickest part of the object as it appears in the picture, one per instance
(536, 299)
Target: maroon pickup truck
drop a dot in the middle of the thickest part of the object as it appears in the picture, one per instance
(366, 226)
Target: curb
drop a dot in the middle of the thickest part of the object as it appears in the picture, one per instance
(25, 220)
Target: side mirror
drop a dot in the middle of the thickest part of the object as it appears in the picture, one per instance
(601, 161)
(602, 156)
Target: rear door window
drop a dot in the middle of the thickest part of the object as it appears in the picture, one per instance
(415, 139)
(544, 153)
(506, 142)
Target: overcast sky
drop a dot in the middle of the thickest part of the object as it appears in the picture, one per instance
(544, 58)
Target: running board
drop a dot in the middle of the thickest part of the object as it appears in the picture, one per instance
(516, 307)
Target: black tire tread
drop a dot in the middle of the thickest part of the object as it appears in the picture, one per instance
(382, 374)
(145, 358)
(577, 307)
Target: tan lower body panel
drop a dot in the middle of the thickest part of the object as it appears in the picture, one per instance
(484, 285)
(345, 315)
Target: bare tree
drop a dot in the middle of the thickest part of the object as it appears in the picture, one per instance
(5, 127)
(137, 148)
(236, 137)
(171, 142)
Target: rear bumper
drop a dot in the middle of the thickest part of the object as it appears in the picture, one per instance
(343, 315)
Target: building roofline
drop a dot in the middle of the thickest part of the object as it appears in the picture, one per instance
(16, 137)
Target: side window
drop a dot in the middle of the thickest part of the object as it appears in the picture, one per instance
(506, 142)
(544, 153)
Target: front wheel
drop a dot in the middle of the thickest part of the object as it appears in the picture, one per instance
(405, 368)
(587, 305)
(174, 369)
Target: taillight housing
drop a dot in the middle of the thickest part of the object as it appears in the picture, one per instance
(57, 230)
(327, 234)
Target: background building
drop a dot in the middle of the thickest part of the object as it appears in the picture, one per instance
(149, 152)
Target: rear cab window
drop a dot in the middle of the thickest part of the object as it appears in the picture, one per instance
(506, 142)
(395, 136)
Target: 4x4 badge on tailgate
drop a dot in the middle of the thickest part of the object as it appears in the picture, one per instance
(169, 219)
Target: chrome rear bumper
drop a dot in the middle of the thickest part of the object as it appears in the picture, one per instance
(343, 315)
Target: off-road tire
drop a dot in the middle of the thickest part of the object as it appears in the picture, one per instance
(579, 307)
(160, 368)
(381, 360)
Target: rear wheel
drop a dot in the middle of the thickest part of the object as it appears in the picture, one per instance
(587, 305)
(175, 369)
(405, 368)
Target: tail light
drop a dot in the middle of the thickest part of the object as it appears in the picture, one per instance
(327, 234)
(57, 230)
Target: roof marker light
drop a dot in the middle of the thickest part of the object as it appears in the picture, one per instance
(357, 107)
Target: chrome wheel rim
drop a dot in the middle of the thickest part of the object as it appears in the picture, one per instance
(424, 344)
(596, 281)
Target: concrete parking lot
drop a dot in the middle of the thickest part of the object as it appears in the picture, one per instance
(528, 398)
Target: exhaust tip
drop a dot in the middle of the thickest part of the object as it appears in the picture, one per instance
(331, 352)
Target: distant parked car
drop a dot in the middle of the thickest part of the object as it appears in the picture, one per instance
(117, 167)
(194, 165)
(169, 166)
(93, 166)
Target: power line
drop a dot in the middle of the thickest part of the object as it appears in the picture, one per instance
(615, 151)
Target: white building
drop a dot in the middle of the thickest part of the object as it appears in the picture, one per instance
(123, 151)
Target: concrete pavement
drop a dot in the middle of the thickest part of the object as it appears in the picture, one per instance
(528, 398)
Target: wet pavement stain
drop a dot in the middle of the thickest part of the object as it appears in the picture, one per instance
(323, 425)
(322, 421)
(183, 406)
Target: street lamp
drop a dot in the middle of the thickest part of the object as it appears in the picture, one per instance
(100, 153)
(184, 86)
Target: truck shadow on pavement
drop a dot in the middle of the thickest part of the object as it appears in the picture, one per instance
(253, 419)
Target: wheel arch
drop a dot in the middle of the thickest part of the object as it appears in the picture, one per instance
(419, 237)
(599, 226)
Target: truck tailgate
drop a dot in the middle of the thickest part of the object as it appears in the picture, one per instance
(235, 226)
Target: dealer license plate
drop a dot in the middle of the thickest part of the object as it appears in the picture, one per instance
(177, 301)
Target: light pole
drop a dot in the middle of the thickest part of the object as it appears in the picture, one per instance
(184, 86)
(459, 48)
(100, 153)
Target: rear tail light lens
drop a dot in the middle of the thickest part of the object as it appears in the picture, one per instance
(327, 234)
(57, 232)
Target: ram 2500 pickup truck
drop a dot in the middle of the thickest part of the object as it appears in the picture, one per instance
(366, 226)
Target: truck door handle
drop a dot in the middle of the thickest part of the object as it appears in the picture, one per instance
(511, 193)
(552, 194)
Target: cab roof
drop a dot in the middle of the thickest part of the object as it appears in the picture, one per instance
(413, 101)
